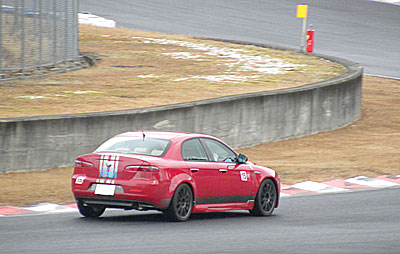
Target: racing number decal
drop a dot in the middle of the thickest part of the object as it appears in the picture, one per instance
(243, 176)
(80, 179)
(108, 166)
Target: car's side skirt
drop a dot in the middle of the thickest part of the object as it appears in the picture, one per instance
(226, 199)
(216, 204)
(202, 208)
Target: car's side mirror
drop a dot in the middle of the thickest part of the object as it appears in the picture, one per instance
(242, 158)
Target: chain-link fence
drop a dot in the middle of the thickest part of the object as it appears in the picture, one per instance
(37, 33)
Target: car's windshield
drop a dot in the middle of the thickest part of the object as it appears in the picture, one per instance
(135, 145)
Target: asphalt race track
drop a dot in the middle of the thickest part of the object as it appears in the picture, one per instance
(357, 222)
(359, 30)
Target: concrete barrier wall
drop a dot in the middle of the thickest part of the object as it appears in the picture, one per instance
(33, 143)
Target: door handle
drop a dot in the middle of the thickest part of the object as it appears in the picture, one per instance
(194, 170)
(223, 170)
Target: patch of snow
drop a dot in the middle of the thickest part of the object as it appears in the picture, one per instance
(146, 76)
(240, 59)
(181, 79)
(183, 55)
(55, 95)
(223, 78)
(31, 97)
(94, 20)
(80, 92)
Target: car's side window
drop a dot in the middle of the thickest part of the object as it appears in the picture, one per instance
(192, 150)
(219, 151)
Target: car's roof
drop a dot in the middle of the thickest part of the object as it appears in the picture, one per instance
(163, 134)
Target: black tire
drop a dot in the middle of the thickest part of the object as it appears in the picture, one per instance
(266, 198)
(181, 205)
(91, 211)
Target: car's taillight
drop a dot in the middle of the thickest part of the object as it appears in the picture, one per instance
(143, 168)
(83, 164)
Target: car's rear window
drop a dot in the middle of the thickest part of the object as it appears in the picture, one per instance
(146, 146)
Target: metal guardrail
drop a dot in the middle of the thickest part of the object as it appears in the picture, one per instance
(37, 33)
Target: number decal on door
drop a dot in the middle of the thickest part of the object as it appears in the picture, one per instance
(243, 176)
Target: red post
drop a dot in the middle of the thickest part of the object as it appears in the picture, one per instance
(310, 41)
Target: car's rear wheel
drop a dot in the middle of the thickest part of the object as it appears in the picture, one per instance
(181, 205)
(91, 211)
(266, 199)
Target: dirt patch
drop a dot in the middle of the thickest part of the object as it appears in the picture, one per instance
(367, 147)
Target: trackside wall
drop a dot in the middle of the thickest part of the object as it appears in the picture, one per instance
(43, 142)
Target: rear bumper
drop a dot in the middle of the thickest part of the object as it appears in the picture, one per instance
(129, 194)
(110, 202)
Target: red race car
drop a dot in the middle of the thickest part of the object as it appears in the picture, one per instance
(176, 173)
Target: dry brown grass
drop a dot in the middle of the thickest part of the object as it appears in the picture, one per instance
(106, 87)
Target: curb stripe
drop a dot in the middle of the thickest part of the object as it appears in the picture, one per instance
(49, 207)
(393, 179)
(306, 188)
(371, 182)
(318, 187)
(343, 184)
(13, 210)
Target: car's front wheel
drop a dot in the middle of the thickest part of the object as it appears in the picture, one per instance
(181, 205)
(266, 199)
(91, 211)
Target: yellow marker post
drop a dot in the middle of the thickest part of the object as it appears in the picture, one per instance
(302, 12)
